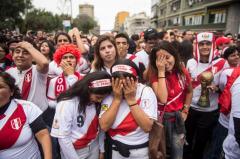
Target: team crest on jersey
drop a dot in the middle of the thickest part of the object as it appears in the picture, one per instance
(55, 124)
(28, 77)
(16, 123)
(104, 107)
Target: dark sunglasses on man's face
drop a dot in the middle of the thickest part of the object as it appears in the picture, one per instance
(208, 43)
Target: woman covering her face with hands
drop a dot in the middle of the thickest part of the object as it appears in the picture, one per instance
(127, 115)
(172, 84)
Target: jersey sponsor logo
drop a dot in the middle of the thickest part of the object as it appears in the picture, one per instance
(145, 103)
(16, 123)
(55, 124)
(104, 107)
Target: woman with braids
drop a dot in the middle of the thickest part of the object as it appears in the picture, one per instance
(172, 85)
(21, 124)
(76, 119)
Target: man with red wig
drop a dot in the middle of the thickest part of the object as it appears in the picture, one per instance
(67, 57)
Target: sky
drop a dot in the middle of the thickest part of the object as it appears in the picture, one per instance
(104, 10)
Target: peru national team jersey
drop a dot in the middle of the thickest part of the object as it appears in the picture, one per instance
(16, 137)
(53, 87)
(195, 69)
(82, 129)
(230, 145)
(223, 119)
(37, 93)
(134, 59)
(125, 128)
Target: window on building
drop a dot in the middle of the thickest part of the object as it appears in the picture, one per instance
(217, 17)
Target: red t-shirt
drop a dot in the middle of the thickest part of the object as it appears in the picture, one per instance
(177, 87)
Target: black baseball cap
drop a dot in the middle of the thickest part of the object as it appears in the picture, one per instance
(150, 33)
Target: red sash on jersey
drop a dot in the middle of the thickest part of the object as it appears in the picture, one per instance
(126, 126)
(132, 57)
(61, 85)
(219, 65)
(225, 98)
(89, 136)
(26, 84)
(11, 130)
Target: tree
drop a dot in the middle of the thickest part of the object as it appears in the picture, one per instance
(84, 23)
(12, 11)
(41, 19)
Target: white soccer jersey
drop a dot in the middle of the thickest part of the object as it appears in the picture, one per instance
(134, 59)
(195, 69)
(16, 137)
(55, 70)
(124, 128)
(223, 119)
(230, 146)
(51, 94)
(37, 93)
(143, 58)
(81, 129)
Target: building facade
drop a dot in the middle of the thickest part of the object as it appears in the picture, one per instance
(119, 20)
(197, 15)
(136, 23)
(87, 9)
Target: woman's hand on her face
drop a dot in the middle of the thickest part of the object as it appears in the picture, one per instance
(129, 90)
(67, 69)
(161, 62)
(117, 87)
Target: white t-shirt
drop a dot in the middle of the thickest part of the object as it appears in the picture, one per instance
(51, 96)
(37, 93)
(230, 146)
(17, 119)
(148, 104)
(143, 58)
(223, 119)
(196, 69)
(54, 71)
(68, 123)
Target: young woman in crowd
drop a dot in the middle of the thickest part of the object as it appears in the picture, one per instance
(127, 115)
(76, 120)
(172, 85)
(105, 53)
(47, 49)
(21, 124)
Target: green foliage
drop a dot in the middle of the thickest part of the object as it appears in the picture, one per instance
(41, 19)
(84, 23)
(11, 12)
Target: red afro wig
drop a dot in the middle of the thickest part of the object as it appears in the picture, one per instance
(64, 49)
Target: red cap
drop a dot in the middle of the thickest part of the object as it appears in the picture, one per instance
(222, 40)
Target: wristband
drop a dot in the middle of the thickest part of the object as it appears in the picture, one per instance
(161, 77)
(132, 104)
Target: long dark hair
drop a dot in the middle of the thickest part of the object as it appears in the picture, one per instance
(98, 61)
(10, 81)
(167, 46)
(82, 90)
(51, 48)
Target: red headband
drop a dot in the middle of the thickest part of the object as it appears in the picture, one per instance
(64, 49)
(124, 68)
(100, 83)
